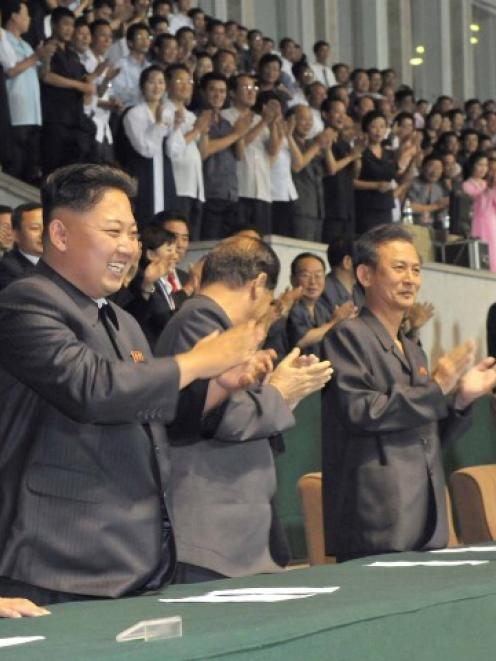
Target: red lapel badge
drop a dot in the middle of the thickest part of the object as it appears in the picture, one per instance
(137, 357)
(422, 371)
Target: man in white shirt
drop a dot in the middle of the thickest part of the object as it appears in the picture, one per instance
(288, 57)
(126, 84)
(315, 94)
(253, 152)
(180, 19)
(182, 145)
(321, 69)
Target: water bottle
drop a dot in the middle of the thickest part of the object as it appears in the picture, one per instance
(407, 216)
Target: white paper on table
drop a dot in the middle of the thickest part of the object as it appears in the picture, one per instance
(239, 599)
(236, 591)
(253, 595)
(467, 549)
(19, 640)
(429, 563)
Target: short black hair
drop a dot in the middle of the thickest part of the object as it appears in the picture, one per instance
(160, 38)
(59, 13)
(19, 212)
(171, 70)
(96, 24)
(156, 4)
(320, 44)
(104, 3)
(299, 67)
(134, 28)
(234, 80)
(214, 23)
(367, 245)
(304, 255)
(237, 260)
(10, 7)
(285, 41)
(184, 30)
(471, 102)
(154, 236)
(153, 21)
(146, 73)
(4, 208)
(333, 92)
(403, 115)
(339, 248)
(162, 217)
(81, 186)
(471, 162)
(267, 59)
(402, 94)
(328, 102)
(369, 117)
(209, 77)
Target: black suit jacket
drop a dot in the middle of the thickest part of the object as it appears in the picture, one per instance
(13, 265)
(383, 422)
(83, 451)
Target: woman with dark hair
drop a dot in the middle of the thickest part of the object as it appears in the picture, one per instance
(479, 184)
(375, 183)
(142, 147)
(153, 302)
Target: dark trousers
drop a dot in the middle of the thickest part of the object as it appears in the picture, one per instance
(186, 573)
(24, 157)
(336, 228)
(192, 208)
(255, 213)
(40, 596)
(283, 218)
(64, 145)
(306, 228)
(219, 219)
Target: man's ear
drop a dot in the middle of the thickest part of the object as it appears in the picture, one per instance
(258, 283)
(57, 233)
(364, 274)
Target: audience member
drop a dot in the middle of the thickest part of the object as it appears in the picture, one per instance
(27, 228)
(482, 190)
(427, 196)
(321, 69)
(340, 284)
(126, 83)
(6, 235)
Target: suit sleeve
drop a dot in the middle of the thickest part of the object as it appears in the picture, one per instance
(363, 406)
(40, 350)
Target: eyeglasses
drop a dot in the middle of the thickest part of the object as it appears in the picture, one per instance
(180, 81)
(306, 276)
(250, 88)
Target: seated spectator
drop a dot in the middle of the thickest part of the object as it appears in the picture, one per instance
(182, 145)
(309, 319)
(481, 188)
(143, 150)
(427, 195)
(67, 135)
(153, 302)
(6, 236)
(340, 284)
(27, 229)
(176, 223)
(220, 212)
(321, 69)
(126, 83)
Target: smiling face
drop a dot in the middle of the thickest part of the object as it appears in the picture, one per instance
(392, 286)
(216, 94)
(154, 87)
(310, 276)
(94, 249)
(28, 236)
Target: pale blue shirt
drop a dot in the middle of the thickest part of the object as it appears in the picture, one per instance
(23, 91)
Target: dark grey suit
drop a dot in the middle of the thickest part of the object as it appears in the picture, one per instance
(223, 474)
(83, 452)
(13, 265)
(383, 418)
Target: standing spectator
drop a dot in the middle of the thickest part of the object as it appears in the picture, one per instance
(250, 57)
(216, 36)
(81, 40)
(146, 127)
(186, 43)
(23, 92)
(67, 135)
(339, 196)
(473, 110)
(315, 94)
(288, 57)
(220, 212)
(359, 86)
(427, 196)
(459, 203)
(375, 82)
(341, 73)
(374, 184)
(469, 145)
(180, 19)
(126, 84)
(182, 145)
(321, 69)
(308, 176)
(303, 75)
(254, 153)
(483, 193)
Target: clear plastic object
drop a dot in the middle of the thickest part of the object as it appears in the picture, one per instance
(147, 630)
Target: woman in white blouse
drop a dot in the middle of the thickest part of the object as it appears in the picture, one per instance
(146, 126)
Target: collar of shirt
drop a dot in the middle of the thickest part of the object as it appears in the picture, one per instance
(34, 259)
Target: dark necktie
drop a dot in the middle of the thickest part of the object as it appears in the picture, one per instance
(109, 320)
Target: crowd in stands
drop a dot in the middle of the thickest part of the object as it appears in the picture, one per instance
(220, 123)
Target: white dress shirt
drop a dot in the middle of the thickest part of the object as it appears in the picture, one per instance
(185, 157)
(178, 21)
(282, 185)
(318, 124)
(254, 170)
(146, 137)
(100, 116)
(126, 84)
(323, 74)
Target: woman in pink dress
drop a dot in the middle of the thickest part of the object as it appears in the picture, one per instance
(479, 184)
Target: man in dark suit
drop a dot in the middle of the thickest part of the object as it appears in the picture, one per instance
(223, 474)
(384, 415)
(27, 226)
(84, 468)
